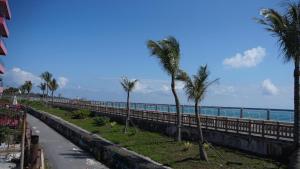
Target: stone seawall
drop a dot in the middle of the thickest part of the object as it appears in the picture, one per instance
(103, 150)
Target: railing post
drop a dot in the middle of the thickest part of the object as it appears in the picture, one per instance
(250, 127)
(190, 120)
(205, 121)
(219, 111)
(226, 124)
(241, 113)
(263, 129)
(216, 123)
(278, 130)
(237, 125)
(168, 108)
(268, 114)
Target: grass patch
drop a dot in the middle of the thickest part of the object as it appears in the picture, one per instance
(164, 149)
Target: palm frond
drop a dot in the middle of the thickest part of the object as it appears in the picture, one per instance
(285, 27)
(182, 75)
(128, 85)
(46, 76)
(168, 53)
(53, 85)
(196, 87)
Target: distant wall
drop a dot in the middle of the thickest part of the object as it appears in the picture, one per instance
(103, 150)
(256, 145)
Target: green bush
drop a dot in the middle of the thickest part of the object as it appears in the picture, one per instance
(187, 146)
(112, 124)
(80, 114)
(101, 121)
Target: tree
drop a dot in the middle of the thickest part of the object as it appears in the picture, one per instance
(22, 89)
(10, 91)
(286, 28)
(53, 85)
(168, 53)
(195, 89)
(128, 86)
(28, 86)
(43, 87)
(46, 76)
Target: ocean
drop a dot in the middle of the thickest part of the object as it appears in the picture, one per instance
(281, 115)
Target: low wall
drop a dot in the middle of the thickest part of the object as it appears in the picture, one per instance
(103, 150)
(277, 149)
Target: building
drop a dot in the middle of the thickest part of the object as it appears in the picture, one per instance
(4, 33)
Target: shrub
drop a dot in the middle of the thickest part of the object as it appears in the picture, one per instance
(101, 121)
(206, 146)
(187, 146)
(112, 124)
(80, 114)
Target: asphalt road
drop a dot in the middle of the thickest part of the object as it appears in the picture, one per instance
(60, 153)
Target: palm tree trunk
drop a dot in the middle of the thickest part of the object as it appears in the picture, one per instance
(202, 152)
(128, 113)
(177, 109)
(47, 90)
(52, 97)
(296, 103)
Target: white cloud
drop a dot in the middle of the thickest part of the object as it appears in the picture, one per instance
(142, 87)
(249, 58)
(16, 77)
(155, 86)
(165, 87)
(223, 90)
(269, 88)
(179, 85)
(62, 82)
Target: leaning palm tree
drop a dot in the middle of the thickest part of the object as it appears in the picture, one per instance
(43, 86)
(168, 53)
(53, 85)
(286, 28)
(46, 76)
(195, 89)
(128, 86)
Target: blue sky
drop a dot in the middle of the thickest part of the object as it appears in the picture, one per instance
(88, 45)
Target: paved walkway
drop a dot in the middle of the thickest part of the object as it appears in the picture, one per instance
(60, 152)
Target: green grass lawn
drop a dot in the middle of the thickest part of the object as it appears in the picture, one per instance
(164, 149)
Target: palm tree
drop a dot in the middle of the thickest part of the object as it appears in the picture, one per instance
(43, 87)
(286, 28)
(168, 53)
(195, 89)
(46, 76)
(22, 89)
(53, 85)
(28, 86)
(128, 86)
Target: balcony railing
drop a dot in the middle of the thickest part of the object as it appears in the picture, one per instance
(4, 9)
(3, 28)
(3, 50)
